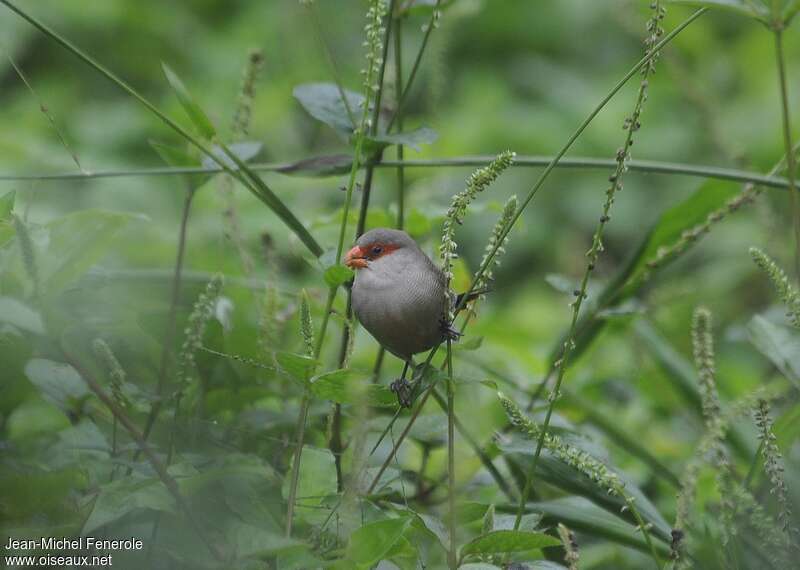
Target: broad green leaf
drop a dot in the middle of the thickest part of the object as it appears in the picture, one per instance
(319, 166)
(317, 480)
(502, 541)
(370, 543)
(74, 243)
(196, 115)
(555, 471)
(59, 383)
(671, 224)
(336, 275)
(7, 205)
(582, 515)
(123, 496)
(20, 315)
(298, 366)
(779, 343)
(752, 8)
(347, 386)
(666, 231)
(33, 418)
(414, 139)
(324, 102)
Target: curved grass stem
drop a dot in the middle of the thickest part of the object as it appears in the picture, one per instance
(791, 170)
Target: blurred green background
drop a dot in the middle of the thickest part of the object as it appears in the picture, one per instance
(516, 75)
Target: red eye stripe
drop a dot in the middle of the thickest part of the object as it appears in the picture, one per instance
(376, 250)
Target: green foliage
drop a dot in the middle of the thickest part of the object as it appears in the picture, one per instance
(88, 265)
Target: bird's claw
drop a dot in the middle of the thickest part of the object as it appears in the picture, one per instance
(448, 331)
(404, 391)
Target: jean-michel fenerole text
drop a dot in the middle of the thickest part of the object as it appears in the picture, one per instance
(78, 543)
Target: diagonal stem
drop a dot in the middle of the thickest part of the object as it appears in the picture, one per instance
(791, 170)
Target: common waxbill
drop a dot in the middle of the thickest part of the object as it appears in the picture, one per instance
(398, 292)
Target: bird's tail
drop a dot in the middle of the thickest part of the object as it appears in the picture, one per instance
(471, 297)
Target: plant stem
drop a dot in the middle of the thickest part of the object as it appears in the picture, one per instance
(531, 194)
(300, 430)
(360, 137)
(137, 436)
(398, 85)
(787, 140)
(318, 32)
(169, 334)
(241, 173)
(414, 68)
(451, 459)
(589, 163)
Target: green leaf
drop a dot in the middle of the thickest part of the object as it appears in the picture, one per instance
(299, 367)
(582, 515)
(317, 480)
(414, 139)
(502, 541)
(198, 117)
(555, 471)
(123, 496)
(59, 383)
(324, 102)
(74, 243)
(7, 205)
(780, 344)
(667, 230)
(347, 386)
(370, 543)
(750, 8)
(20, 315)
(337, 275)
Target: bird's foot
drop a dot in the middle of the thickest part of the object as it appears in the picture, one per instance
(404, 391)
(448, 332)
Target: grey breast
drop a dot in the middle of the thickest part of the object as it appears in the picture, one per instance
(402, 307)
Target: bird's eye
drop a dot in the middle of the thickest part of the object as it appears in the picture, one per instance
(377, 250)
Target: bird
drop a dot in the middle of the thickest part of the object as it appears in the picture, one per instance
(398, 295)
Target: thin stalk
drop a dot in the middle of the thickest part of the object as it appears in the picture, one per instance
(398, 85)
(531, 194)
(300, 430)
(360, 137)
(169, 333)
(258, 188)
(525, 161)
(451, 459)
(335, 443)
(318, 32)
(137, 436)
(787, 140)
(414, 68)
(580, 292)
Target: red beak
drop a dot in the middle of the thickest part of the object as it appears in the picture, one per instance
(355, 259)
